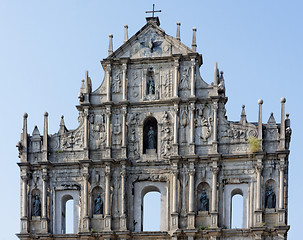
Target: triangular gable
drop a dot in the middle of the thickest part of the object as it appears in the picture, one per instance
(150, 41)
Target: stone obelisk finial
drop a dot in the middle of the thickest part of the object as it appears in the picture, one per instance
(194, 42)
(110, 46)
(125, 33)
(178, 31)
(260, 102)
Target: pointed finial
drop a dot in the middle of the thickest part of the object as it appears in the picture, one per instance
(194, 43)
(110, 47)
(25, 115)
(216, 74)
(243, 115)
(260, 102)
(63, 128)
(125, 33)
(178, 31)
(62, 121)
(287, 115)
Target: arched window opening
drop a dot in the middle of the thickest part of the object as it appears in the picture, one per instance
(151, 211)
(150, 133)
(237, 211)
(68, 215)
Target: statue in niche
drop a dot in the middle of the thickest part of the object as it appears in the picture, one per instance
(98, 205)
(36, 206)
(116, 83)
(270, 198)
(204, 201)
(151, 138)
(150, 86)
(184, 79)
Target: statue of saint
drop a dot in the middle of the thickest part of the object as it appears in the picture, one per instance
(151, 138)
(98, 207)
(150, 86)
(270, 198)
(37, 206)
(204, 202)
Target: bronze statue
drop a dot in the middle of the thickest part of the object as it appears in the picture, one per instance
(270, 198)
(98, 207)
(204, 202)
(150, 86)
(37, 206)
(151, 138)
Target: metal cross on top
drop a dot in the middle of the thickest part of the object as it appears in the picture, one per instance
(153, 11)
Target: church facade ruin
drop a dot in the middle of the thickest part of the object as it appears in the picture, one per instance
(155, 125)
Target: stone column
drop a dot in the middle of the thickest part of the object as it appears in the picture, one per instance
(176, 76)
(281, 210)
(44, 220)
(193, 80)
(215, 130)
(107, 220)
(124, 95)
(86, 132)
(108, 132)
(191, 197)
(176, 132)
(85, 201)
(282, 127)
(24, 216)
(258, 211)
(108, 82)
(192, 128)
(125, 33)
(214, 212)
(124, 131)
(260, 102)
(123, 200)
(174, 203)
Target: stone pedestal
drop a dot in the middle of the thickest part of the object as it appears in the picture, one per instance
(108, 152)
(107, 223)
(24, 225)
(123, 223)
(281, 217)
(44, 225)
(85, 226)
(174, 221)
(123, 152)
(175, 149)
(191, 220)
(214, 219)
(258, 218)
(191, 148)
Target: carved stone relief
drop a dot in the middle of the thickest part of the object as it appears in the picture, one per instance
(150, 44)
(184, 79)
(166, 136)
(203, 123)
(72, 140)
(166, 84)
(133, 143)
(117, 129)
(184, 122)
(116, 85)
(134, 84)
(99, 133)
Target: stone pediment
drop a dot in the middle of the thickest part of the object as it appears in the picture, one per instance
(150, 41)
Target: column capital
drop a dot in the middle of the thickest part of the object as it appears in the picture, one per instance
(24, 178)
(124, 110)
(259, 168)
(215, 170)
(192, 107)
(215, 105)
(45, 177)
(86, 176)
(191, 172)
(108, 68)
(176, 63)
(108, 110)
(124, 67)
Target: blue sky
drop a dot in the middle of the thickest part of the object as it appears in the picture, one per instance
(46, 46)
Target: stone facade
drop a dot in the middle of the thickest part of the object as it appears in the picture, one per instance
(155, 125)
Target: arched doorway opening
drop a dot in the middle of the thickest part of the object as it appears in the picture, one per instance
(151, 211)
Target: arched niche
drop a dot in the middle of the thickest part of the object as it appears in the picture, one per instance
(97, 201)
(150, 135)
(203, 197)
(141, 189)
(150, 82)
(270, 194)
(35, 203)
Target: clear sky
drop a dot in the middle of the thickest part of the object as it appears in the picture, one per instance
(46, 46)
